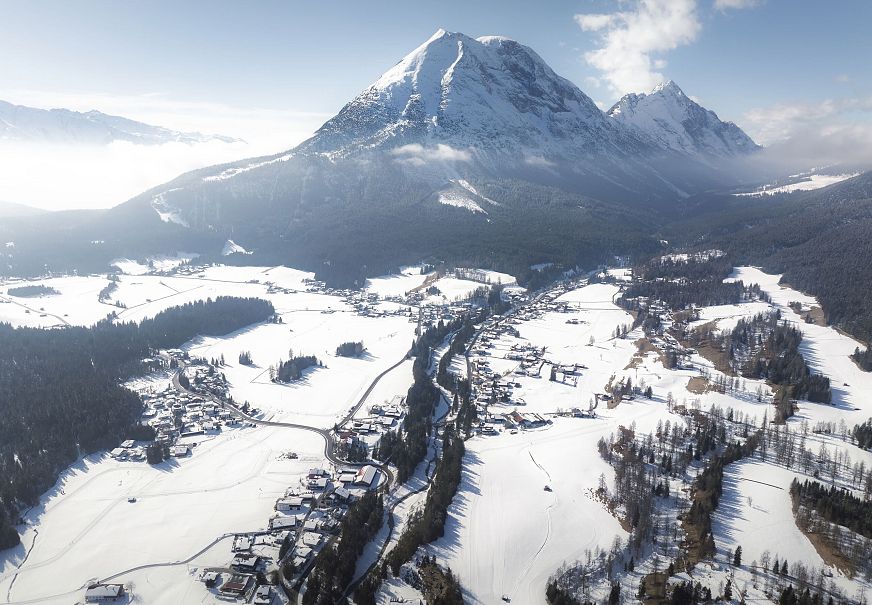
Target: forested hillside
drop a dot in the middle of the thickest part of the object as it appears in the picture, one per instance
(818, 239)
(60, 396)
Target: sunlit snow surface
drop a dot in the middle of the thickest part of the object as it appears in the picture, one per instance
(505, 534)
(815, 181)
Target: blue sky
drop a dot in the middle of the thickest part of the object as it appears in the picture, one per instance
(304, 60)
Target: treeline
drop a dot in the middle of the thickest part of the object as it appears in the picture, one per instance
(107, 291)
(407, 446)
(765, 347)
(835, 505)
(208, 317)
(681, 284)
(334, 566)
(292, 369)
(708, 489)
(863, 358)
(350, 349)
(863, 434)
(60, 396)
(786, 366)
(32, 291)
(429, 525)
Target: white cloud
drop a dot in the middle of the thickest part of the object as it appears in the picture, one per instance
(724, 5)
(834, 131)
(782, 121)
(539, 162)
(418, 155)
(594, 21)
(632, 39)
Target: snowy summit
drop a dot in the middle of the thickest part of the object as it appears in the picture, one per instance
(672, 120)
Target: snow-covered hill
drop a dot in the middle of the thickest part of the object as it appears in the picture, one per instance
(671, 120)
(21, 123)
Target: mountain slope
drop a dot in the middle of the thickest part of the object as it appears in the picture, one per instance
(671, 120)
(20, 123)
(818, 239)
(470, 150)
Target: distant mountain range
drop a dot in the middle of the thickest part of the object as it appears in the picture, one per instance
(30, 124)
(467, 149)
(12, 210)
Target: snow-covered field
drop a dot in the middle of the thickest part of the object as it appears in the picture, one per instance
(506, 534)
(325, 393)
(810, 183)
(86, 529)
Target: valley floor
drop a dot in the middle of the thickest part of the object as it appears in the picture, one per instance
(527, 502)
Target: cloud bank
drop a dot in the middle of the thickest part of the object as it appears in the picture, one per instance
(834, 131)
(57, 176)
(632, 40)
(416, 154)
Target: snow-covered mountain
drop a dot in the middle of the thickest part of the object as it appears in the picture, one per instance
(21, 123)
(670, 119)
(485, 95)
(467, 147)
(492, 95)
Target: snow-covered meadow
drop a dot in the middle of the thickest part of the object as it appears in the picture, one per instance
(506, 533)
(185, 509)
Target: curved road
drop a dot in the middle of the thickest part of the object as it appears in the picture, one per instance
(326, 434)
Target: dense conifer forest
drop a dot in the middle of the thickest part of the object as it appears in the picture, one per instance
(766, 347)
(60, 393)
(863, 358)
(32, 291)
(350, 349)
(679, 283)
(818, 239)
(835, 505)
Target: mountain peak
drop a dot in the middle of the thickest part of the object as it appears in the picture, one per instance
(668, 87)
(484, 93)
(672, 120)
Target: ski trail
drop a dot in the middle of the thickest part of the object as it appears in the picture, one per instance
(529, 566)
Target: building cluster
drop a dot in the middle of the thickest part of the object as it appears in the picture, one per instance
(494, 389)
(356, 437)
(304, 520)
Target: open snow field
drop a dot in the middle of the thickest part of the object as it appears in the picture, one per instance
(324, 393)
(505, 535)
(86, 529)
(754, 509)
